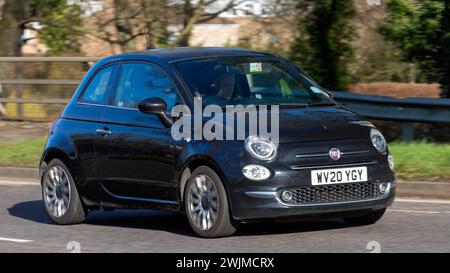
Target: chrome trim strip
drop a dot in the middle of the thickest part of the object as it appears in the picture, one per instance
(334, 166)
(354, 152)
(311, 155)
(261, 194)
(138, 198)
(106, 105)
(326, 154)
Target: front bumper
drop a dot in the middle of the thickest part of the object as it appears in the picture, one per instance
(254, 200)
(263, 203)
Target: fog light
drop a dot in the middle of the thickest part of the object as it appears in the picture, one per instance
(383, 187)
(286, 196)
(391, 162)
(256, 172)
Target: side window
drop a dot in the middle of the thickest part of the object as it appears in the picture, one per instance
(140, 81)
(97, 90)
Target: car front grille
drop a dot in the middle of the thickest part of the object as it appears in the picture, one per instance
(334, 193)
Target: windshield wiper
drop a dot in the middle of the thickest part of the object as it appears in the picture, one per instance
(293, 105)
(323, 103)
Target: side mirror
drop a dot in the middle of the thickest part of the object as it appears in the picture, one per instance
(156, 106)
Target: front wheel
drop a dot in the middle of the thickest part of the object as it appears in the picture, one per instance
(367, 219)
(206, 205)
(60, 195)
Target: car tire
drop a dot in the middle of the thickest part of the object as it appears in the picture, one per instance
(223, 224)
(367, 219)
(58, 184)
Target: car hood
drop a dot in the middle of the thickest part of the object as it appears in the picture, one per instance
(320, 123)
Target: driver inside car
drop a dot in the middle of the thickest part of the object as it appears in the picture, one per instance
(224, 89)
(225, 86)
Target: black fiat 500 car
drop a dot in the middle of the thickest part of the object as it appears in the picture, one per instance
(114, 147)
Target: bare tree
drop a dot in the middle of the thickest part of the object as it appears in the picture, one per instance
(199, 11)
(123, 22)
(128, 20)
(12, 26)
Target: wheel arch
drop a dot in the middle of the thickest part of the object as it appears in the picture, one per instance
(54, 153)
(193, 163)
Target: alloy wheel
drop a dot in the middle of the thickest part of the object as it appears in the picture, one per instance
(203, 202)
(57, 191)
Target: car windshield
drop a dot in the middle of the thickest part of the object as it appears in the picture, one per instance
(249, 80)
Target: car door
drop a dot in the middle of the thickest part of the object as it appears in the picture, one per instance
(135, 156)
(83, 119)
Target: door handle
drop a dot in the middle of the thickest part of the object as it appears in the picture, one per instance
(103, 132)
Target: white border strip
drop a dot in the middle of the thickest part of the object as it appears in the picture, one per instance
(18, 183)
(415, 211)
(430, 201)
(15, 240)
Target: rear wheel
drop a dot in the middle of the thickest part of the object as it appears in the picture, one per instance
(206, 205)
(60, 195)
(367, 219)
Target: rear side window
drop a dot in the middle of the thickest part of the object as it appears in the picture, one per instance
(140, 81)
(97, 91)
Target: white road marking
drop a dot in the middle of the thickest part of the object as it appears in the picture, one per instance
(19, 183)
(429, 201)
(415, 211)
(15, 240)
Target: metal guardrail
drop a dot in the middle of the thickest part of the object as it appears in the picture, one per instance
(407, 111)
(425, 110)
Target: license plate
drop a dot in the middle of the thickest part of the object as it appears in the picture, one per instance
(338, 176)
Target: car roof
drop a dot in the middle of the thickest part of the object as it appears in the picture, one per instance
(183, 53)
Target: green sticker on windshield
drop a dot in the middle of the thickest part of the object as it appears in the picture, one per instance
(256, 67)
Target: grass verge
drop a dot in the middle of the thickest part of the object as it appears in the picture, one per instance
(421, 160)
(24, 153)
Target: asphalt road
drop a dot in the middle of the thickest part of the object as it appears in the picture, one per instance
(411, 225)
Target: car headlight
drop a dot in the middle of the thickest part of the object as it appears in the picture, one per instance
(256, 172)
(261, 148)
(378, 140)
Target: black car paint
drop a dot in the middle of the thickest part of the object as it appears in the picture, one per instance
(139, 165)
